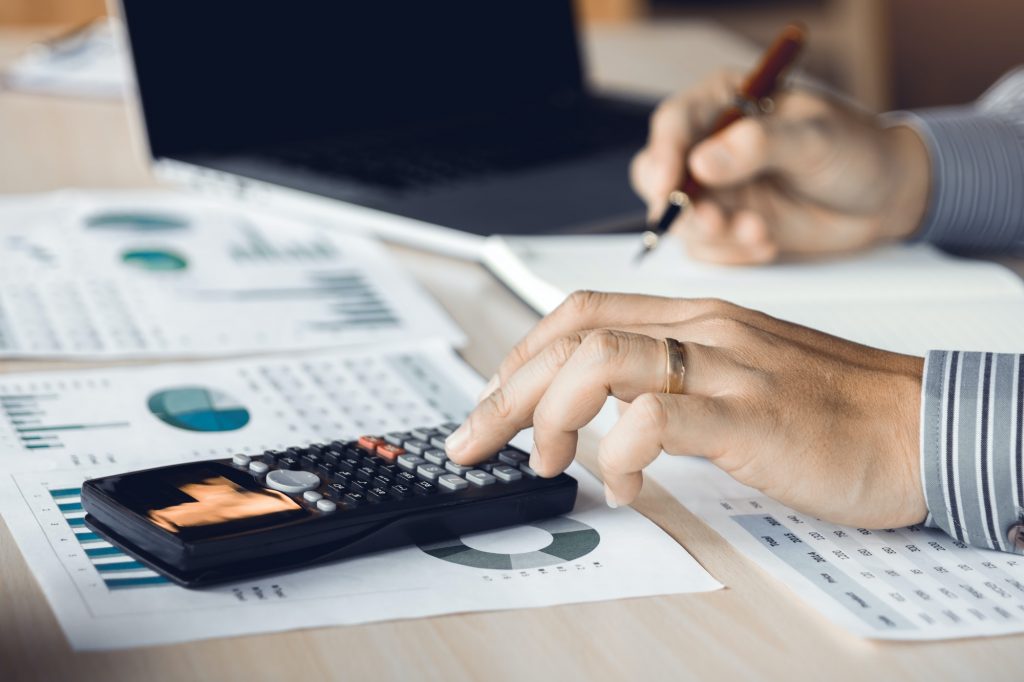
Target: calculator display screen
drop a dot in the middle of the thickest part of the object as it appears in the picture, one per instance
(203, 501)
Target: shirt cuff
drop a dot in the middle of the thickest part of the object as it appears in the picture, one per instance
(971, 418)
(977, 161)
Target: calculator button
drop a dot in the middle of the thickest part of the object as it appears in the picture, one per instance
(525, 468)
(377, 494)
(387, 469)
(438, 441)
(410, 462)
(359, 486)
(452, 483)
(352, 500)
(399, 491)
(271, 457)
(488, 465)
(422, 433)
(381, 479)
(512, 457)
(365, 473)
(397, 438)
(349, 464)
(259, 468)
(326, 506)
(316, 448)
(325, 470)
(456, 468)
(416, 447)
(311, 496)
(332, 456)
(506, 474)
(447, 428)
(336, 491)
(241, 460)
(289, 463)
(431, 472)
(342, 477)
(480, 478)
(404, 478)
(310, 461)
(435, 456)
(370, 442)
(389, 452)
(424, 488)
(292, 481)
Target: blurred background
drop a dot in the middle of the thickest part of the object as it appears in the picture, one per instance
(885, 53)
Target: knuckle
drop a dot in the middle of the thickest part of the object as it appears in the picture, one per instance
(603, 345)
(651, 408)
(583, 303)
(562, 349)
(500, 403)
(517, 357)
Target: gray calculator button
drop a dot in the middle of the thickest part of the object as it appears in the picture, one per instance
(241, 460)
(326, 506)
(481, 478)
(512, 457)
(397, 438)
(452, 482)
(416, 447)
(258, 467)
(422, 434)
(409, 462)
(506, 474)
(429, 471)
(447, 428)
(525, 468)
(435, 456)
(311, 496)
(488, 465)
(438, 441)
(456, 468)
(292, 482)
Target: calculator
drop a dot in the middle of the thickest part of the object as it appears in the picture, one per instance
(201, 523)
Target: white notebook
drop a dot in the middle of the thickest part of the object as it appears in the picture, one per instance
(907, 298)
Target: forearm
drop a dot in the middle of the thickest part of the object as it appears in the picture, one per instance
(971, 446)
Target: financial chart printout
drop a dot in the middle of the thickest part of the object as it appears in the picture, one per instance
(910, 583)
(158, 274)
(61, 428)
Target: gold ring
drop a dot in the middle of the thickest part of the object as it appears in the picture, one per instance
(675, 368)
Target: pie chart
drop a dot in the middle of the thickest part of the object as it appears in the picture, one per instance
(195, 408)
(136, 221)
(156, 260)
(570, 540)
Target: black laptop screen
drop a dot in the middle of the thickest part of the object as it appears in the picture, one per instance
(217, 75)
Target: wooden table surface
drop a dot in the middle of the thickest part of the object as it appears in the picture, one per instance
(754, 629)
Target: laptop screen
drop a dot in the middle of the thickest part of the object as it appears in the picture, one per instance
(217, 76)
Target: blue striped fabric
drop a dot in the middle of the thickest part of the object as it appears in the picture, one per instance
(977, 152)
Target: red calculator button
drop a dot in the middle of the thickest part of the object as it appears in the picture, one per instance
(389, 452)
(370, 443)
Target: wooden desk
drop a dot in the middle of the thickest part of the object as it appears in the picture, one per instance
(754, 629)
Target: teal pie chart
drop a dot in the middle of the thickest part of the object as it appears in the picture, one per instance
(154, 260)
(570, 540)
(195, 408)
(136, 221)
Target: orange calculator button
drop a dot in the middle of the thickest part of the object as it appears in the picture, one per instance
(370, 443)
(390, 452)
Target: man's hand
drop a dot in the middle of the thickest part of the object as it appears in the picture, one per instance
(824, 425)
(813, 176)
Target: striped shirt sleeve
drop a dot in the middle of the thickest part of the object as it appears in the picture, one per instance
(972, 406)
(977, 154)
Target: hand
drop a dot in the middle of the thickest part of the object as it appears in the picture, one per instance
(814, 176)
(826, 426)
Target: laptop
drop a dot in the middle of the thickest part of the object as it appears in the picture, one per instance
(437, 122)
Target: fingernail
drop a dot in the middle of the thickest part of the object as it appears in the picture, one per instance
(489, 388)
(534, 457)
(454, 443)
(609, 497)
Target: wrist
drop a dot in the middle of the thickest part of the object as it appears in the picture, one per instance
(909, 177)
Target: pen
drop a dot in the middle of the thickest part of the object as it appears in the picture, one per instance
(751, 99)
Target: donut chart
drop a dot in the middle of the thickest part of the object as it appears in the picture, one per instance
(196, 408)
(570, 540)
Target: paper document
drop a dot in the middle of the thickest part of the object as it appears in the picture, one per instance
(904, 584)
(145, 416)
(157, 274)
(907, 298)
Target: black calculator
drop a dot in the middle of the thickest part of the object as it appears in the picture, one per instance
(202, 523)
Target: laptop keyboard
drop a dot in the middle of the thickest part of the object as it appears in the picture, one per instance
(452, 155)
